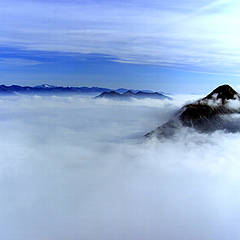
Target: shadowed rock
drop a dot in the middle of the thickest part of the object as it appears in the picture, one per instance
(208, 114)
(224, 92)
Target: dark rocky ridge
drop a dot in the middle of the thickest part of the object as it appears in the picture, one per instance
(224, 92)
(130, 94)
(205, 115)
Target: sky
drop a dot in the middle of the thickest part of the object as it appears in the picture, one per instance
(175, 46)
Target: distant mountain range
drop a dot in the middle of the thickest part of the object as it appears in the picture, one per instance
(123, 90)
(47, 89)
(132, 94)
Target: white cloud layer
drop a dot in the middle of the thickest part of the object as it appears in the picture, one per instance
(77, 168)
(196, 35)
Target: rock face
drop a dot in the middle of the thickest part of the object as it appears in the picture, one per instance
(224, 93)
(208, 114)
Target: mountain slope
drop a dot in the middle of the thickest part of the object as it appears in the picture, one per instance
(208, 114)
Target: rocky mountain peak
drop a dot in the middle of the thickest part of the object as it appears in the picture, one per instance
(223, 93)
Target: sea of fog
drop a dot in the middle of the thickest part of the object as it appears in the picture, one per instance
(76, 168)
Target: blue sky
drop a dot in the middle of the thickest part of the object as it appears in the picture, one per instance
(176, 46)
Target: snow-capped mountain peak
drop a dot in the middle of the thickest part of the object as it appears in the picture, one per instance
(45, 86)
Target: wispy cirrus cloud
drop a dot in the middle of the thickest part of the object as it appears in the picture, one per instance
(18, 61)
(195, 36)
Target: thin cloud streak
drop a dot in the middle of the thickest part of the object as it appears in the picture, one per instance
(18, 62)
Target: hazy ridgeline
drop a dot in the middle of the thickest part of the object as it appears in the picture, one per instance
(78, 168)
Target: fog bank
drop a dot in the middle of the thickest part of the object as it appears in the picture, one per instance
(79, 168)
